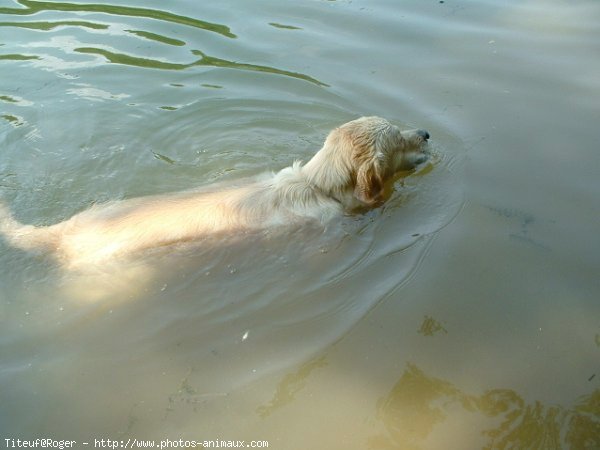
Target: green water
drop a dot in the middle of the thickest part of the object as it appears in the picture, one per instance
(463, 314)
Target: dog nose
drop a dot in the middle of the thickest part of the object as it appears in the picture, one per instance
(423, 133)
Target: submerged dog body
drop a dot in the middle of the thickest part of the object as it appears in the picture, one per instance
(348, 172)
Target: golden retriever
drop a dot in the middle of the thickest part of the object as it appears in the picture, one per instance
(348, 172)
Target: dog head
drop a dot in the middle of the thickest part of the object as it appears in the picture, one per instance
(360, 156)
(379, 150)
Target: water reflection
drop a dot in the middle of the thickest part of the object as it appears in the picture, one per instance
(418, 403)
(19, 101)
(284, 27)
(13, 120)
(188, 394)
(430, 326)
(289, 386)
(157, 37)
(34, 7)
(117, 57)
(17, 57)
(49, 26)
(205, 60)
(88, 92)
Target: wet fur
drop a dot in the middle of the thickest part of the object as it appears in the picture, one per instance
(348, 172)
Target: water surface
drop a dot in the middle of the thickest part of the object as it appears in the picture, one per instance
(462, 314)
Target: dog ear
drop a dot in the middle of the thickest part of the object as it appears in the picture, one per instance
(369, 183)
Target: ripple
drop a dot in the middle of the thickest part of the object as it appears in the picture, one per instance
(91, 93)
(15, 100)
(17, 57)
(284, 27)
(269, 291)
(48, 26)
(205, 60)
(115, 49)
(15, 121)
(34, 7)
(157, 37)
(217, 62)
(129, 60)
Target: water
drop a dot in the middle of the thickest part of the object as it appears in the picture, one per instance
(462, 314)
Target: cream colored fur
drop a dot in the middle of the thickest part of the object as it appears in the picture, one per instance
(348, 172)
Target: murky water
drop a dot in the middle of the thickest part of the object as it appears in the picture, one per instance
(462, 314)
